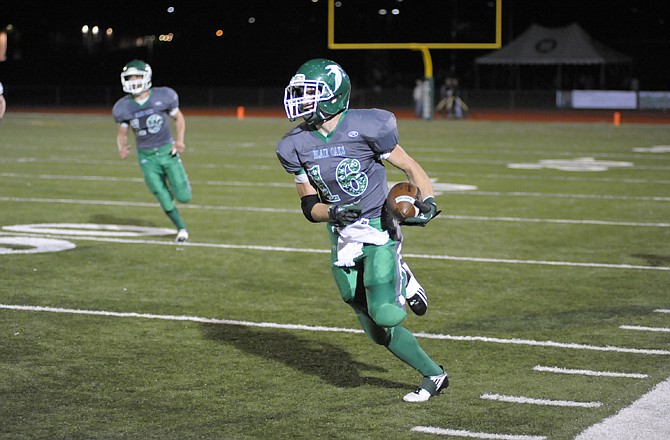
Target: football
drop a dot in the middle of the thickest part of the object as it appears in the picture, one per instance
(400, 200)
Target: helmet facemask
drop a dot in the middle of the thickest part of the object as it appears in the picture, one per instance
(136, 85)
(302, 97)
(319, 91)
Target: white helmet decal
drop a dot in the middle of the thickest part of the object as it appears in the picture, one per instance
(334, 69)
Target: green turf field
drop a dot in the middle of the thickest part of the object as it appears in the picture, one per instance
(241, 334)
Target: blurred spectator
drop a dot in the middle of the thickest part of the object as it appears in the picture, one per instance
(417, 95)
(450, 100)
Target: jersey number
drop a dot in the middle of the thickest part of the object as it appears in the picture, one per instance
(348, 175)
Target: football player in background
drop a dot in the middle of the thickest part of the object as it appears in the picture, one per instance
(336, 157)
(3, 103)
(148, 111)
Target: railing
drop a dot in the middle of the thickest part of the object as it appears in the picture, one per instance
(269, 97)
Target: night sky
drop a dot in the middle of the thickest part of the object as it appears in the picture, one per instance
(264, 41)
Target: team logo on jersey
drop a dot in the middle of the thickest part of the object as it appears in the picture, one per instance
(154, 123)
(334, 69)
(352, 134)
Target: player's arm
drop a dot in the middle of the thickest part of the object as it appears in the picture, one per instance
(414, 172)
(180, 126)
(312, 208)
(3, 106)
(418, 176)
(316, 211)
(122, 141)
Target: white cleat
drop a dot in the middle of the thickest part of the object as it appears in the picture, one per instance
(430, 386)
(182, 236)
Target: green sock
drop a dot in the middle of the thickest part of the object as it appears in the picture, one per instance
(176, 218)
(405, 347)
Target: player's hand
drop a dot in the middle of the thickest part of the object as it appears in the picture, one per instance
(177, 148)
(124, 152)
(343, 215)
(428, 210)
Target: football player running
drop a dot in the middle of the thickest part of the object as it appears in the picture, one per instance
(336, 157)
(148, 112)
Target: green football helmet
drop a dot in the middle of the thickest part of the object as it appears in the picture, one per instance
(319, 90)
(136, 85)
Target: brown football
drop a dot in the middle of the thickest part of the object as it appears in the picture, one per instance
(400, 200)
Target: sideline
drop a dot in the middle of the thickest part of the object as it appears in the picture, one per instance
(648, 418)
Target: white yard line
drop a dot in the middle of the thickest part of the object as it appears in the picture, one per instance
(297, 211)
(562, 196)
(322, 251)
(290, 185)
(515, 341)
(559, 221)
(650, 415)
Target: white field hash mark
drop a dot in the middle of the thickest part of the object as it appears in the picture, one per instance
(645, 329)
(533, 401)
(588, 372)
(471, 434)
(515, 341)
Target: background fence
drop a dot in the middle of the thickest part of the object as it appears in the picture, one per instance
(253, 97)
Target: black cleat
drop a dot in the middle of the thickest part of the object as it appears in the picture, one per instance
(415, 295)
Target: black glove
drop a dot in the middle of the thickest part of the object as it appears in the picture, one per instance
(342, 215)
(428, 209)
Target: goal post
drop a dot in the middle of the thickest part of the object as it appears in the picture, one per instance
(423, 47)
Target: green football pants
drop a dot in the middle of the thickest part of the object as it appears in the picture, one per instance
(165, 176)
(375, 285)
(375, 289)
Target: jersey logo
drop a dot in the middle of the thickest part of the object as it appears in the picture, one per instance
(154, 123)
(334, 69)
(352, 134)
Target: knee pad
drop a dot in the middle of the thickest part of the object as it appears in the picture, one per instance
(183, 197)
(387, 315)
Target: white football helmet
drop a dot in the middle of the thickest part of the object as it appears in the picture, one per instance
(136, 85)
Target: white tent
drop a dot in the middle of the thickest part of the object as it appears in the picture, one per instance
(568, 45)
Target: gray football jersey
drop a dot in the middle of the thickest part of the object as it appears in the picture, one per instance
(151, 120)
(346, 165)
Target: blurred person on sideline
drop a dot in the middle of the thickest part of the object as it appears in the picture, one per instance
(417, 95)
(148, 111)
(336, 156)
(450, 100)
